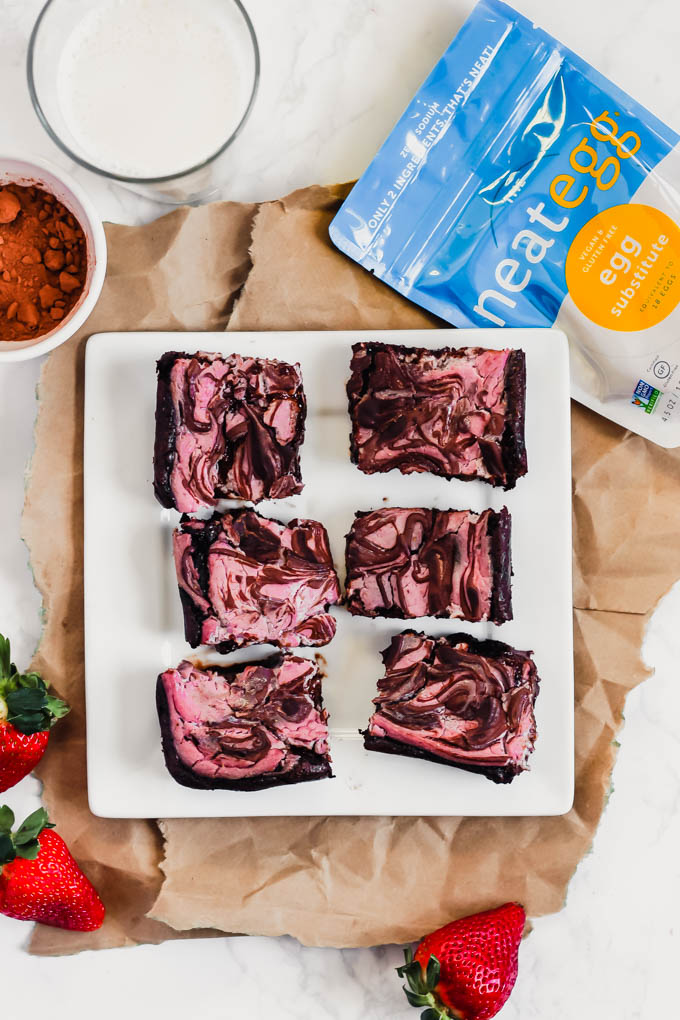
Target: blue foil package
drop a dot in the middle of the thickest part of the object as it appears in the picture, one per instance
(522, 188)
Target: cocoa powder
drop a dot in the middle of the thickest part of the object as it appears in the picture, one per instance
(43, 262)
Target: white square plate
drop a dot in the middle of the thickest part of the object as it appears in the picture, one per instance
(133, 617)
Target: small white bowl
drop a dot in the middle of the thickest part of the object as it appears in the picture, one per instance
(39, 172)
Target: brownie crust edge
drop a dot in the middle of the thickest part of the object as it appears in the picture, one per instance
(166, 432)
(496, 773)
(500, 530)
(513, 441)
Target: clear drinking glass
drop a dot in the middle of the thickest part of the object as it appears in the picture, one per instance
(198, 183)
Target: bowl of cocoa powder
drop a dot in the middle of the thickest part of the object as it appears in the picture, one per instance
(52, 257)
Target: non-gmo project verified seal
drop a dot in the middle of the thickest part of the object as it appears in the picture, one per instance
(645, 396)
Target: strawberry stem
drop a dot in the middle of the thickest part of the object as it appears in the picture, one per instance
(24, 841)
(422, 983)
(24, 701)
(422, 987)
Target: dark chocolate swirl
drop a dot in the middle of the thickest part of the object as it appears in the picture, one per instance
(457, 700)
(416, 562)
(247, 579)
(247, 726)
(458, 413)
(227, 427)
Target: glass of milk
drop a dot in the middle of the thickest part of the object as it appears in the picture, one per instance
(149, 93)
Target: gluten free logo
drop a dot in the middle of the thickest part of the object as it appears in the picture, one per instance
(662, 369)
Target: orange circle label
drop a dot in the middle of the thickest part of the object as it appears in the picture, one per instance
(623, 267)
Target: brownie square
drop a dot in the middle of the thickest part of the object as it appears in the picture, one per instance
(457, 701)
(415, 562)
(226, 427)
(246, 579)
(244, 727)
(458, 413)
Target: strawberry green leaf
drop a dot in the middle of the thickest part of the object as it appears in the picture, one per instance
(431, 1014)
(416, 978)
(28, 851)
(7, 851)
(408, 958)
(27, 722)
(25, 699)
(416, 999)
(56, 707)
(5, 658)
(32, 680)
(30, 724)
(6, 819)
(32, 827)
(432, 973)
(31, 709)
(22, 837)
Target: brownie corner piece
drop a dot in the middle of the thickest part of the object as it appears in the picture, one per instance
(248, 726)
(411, 562)
(227, 426)
(453, 412)
(458, 701)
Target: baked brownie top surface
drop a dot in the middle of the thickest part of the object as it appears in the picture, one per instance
(421, 563)
(441, 410)
(248, 721)
(266, 581)
(441, 696)
(239, 424)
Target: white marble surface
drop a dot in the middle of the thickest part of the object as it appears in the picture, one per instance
(336, 73)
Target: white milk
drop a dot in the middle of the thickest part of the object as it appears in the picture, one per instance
(154, 87)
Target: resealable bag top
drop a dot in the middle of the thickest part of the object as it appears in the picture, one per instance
(522, 188)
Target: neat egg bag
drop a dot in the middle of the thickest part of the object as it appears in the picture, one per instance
(522, 188)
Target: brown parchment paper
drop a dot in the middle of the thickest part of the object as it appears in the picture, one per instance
(181, 272)
(327, 881)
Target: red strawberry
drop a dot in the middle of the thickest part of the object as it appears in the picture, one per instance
(40, 881)
(468, 968)
(27, 712)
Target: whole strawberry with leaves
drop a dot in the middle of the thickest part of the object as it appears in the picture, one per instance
(27, 713)
(39, 879)
(467, 969)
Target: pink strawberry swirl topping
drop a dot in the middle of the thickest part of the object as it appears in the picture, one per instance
(239, 425)
(253, 723)
(464, 707)
(419, 562)
(442, 411)
(267, 582)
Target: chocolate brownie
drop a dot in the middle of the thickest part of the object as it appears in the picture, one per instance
(416, 562)
(453, 412)
(244, 727)
(458, 701)
(246, 579)
(227, 426)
